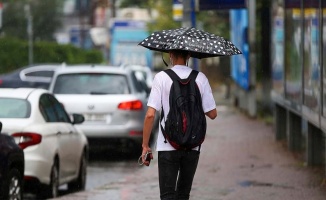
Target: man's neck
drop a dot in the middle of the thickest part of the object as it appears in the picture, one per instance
(179, 61)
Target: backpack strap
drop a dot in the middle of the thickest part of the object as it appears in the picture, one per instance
(162, 129)
(193, 75)
(172, 74)
(174, 77)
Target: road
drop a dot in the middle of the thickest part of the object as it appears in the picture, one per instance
(103, 169)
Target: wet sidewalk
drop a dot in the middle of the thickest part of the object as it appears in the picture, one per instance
(240, 160)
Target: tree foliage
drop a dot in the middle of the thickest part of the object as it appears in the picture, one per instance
(46, 18)
(164, 18)
(134, 3)
(14, 54)
(212, 21)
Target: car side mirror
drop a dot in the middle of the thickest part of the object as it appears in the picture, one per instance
(77, 118)
(0, 127)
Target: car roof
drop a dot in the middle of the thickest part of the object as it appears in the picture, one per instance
(20, 71)
(36, 66)
(137, 67)
(42, 67)
(90, 68)
(19, 93)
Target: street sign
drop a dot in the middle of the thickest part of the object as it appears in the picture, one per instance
(124, 48)
(177, 10)
(221, 4)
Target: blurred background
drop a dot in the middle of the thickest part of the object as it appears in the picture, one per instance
(280, 77)
(108, 31)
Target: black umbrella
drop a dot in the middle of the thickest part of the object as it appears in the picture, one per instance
(199, 43)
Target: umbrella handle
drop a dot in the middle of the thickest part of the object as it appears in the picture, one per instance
(164, 61)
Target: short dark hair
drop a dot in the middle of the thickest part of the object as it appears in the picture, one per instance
(180, 53)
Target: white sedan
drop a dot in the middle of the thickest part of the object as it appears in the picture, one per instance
(56, 152)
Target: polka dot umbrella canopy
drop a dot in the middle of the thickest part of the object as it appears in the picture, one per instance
(199, 43)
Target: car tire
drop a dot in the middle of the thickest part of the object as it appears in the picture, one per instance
(80, 183)
(52, 190)
(13, 188)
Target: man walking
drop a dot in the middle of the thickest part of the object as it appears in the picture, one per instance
(176, 167)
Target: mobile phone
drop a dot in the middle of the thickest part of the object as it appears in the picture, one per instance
(148, 156)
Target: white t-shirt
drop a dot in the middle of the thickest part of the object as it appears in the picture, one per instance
(160, 93)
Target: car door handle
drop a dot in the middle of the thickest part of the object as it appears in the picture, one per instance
(71, 132)
(59, 133)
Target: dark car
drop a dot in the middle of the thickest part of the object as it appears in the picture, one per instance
(38, 76)
(11, 168)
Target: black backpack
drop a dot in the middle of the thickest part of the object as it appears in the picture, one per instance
(185, 125)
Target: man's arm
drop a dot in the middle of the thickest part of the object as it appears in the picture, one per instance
(211, 114)
(147, 130)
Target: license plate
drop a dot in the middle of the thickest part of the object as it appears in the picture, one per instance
(96, 117)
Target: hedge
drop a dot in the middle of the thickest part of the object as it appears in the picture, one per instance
(14, 54)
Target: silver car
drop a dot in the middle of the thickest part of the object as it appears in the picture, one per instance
(111, 99)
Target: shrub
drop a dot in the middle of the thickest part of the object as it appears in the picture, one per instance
(14, 54)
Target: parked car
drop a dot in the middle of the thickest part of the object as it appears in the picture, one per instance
(56, 152)
(111, 99)
(38, 76)
(11, 168)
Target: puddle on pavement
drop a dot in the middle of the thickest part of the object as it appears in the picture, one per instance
(248, 183)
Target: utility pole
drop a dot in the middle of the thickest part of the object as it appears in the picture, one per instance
(29, 33)
(1, 8)
(252, 107)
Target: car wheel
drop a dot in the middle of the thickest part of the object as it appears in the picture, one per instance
(80, 182)
(51, 190)
(13, 185)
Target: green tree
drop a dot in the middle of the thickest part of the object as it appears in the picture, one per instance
(134, 3)
(164, 18)
(214, 21)
(46, 18)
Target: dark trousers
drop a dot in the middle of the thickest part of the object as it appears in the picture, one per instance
(176, 173)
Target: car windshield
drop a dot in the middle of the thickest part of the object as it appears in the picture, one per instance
(91, 83)
(14, 108)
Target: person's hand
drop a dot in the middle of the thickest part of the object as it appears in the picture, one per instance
(144, 153)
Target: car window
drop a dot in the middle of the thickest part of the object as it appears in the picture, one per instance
(91, 83)
(138, 85)
(59, 110)
(47, 109)
(52, 110)
(45, 73)
(14, 108)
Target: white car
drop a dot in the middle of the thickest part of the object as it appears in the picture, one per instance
(56, 152)
(111, 99)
